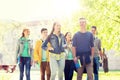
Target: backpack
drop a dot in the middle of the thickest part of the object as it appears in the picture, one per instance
(105, 62)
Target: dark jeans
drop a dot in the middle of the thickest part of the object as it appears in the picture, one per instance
(96, 67)
(69, 69)
(25, 62)
(45, 67)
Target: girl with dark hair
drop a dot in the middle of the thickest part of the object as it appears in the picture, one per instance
(57, 55)
(69, 63)
(24, 53)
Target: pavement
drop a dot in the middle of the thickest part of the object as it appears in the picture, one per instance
(35, 75)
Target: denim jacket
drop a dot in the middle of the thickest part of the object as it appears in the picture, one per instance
(55, 44)
(20, 47)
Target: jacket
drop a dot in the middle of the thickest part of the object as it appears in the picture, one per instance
(20, 47)
(38, 51)
(56, 44)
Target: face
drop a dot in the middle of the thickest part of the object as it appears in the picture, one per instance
(82, 22)
(44, 33)
(57, 27)
(93, 30)
(68, 37)
(27, 32)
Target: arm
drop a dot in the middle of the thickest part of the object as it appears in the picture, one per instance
(99, 47)
(74, 48)
(36, 51)
(44, 45)
(64, 44)
(74, 54)
(31, 50)
(92, 46)
(92, 52)
(17, 48)
(17, 52)
(74, 51)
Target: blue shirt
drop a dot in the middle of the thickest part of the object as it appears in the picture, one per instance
(83, 41)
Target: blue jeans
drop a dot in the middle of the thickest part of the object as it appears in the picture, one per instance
(57, 65)
(25, 62)
(96, 67)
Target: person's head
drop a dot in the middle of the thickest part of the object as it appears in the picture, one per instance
(25, 33)
(56, 28)
(94, 30)
(68, 36)
(44, 32)
(82, 22)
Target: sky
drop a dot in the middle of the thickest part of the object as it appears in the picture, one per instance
(29, 10)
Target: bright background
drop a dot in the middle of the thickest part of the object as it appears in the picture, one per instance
(29, 10)
(17, 14)
(35, 14)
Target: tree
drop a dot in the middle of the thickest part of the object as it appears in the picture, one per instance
(105, 15)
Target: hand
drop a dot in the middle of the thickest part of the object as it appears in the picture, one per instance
(35, 62)
(18, 60)
(100, 60)
(50, 48)
(75, 59)
(31, 63)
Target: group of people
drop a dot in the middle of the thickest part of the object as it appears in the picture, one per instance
(58, 54)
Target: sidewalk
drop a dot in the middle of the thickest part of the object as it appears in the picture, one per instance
(35, 75)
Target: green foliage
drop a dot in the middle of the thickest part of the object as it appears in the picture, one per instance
(105, 15)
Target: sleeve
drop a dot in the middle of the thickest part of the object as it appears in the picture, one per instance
(31, 49)
(36, 51)
(74, 41)
(17, 51)
(44, 45)
(99, 45)
(92, 40)
(64, 42)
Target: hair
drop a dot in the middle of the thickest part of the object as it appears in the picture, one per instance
(43, 29)
(52, 30)
(23, 32)
(81, 18)
(53, 27)
(66, 34)
(94, 27)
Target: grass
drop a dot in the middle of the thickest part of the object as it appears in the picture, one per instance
(111, 75)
